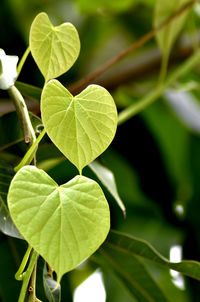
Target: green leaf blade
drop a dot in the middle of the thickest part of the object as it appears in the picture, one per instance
(65, 224)
(167, 36)
(55, 49)
(132, 274)
(6, 224)
(28, 90)
(137, 247)
(82, 127)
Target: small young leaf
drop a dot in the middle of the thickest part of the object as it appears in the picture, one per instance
(82, 127)
(167, 36)
(64, 224)
(54, 49)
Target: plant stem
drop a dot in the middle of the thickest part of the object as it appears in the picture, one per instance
(22, 111)
(27, 276)
(11, 144)
(133, 109)
(163, 70)
(30, 138)
(22, 61)
(32, 285)
(91, 77)
(50, 270)
(19, 273)
(28, 157)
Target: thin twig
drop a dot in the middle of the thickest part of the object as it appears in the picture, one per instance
(148, 99)
(32, 285)
(77, 87)
(27, 276)
(11, 144)
(145, 64)
(29, 156)
(19, 273)
(22, 61)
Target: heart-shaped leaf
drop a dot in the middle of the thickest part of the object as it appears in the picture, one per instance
(64, 224)
(82, 127)
(54, 49)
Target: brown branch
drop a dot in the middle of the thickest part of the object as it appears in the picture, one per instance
(77, 87)
(145, 64)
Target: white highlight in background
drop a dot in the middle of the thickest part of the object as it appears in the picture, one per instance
(179, 209)
(92, 289)
(176, 256)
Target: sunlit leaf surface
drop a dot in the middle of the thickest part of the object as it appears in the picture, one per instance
(82, 127)
(55, 49)
(64, 224)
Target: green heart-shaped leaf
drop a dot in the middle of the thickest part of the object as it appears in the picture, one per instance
(55, 49)
(82, 127)
(64, 224)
